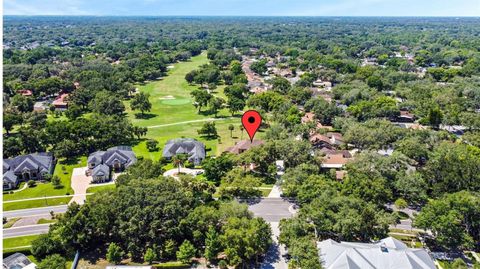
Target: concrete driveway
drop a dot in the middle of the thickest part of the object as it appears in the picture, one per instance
(174, 172)
(80, 184)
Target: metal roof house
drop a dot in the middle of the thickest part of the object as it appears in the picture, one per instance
(26, 167)
(101, 163)
(193, 148)
(388, 253)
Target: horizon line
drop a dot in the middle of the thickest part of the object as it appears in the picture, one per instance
(258, 16)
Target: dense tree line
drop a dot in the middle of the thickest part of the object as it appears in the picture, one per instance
(158, 216)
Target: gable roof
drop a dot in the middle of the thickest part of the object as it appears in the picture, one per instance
(388, 253)
(101, 170)
(9, 176)
(17, 260)
(123, 154)
(244, 145)
(188, 146)
(42, 162)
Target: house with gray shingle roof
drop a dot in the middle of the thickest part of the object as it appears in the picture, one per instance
(33, 166)
(102, 163)
(18, 261)
(193, 148)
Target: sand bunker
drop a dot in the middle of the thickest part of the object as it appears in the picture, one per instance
(168, 97)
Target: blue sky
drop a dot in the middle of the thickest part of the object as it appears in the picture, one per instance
(245, 7)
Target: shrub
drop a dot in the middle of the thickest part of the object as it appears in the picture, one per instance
(401, 203)
(152, 145)
(31, 183)
(114, 253)
(52, 262)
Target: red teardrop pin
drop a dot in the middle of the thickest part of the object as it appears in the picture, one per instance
(251, 121)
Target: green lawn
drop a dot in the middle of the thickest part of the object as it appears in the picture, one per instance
(18, 241)
(36, 203)
(45, 221)
(46, 189)
(180, 109)
(100, 188)
(10, 223)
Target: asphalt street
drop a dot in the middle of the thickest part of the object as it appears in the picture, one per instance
(40, 211)
(25, 230)
(272, 209)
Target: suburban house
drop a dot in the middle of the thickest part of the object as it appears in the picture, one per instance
(18, 261)
(310, 117)
(60, 103)
(388, 253)
(40, 106)
(336, 159)
(320, 141)
(243, 146)
(335, 138)
(406, 116)
(102, 163)
(193, 148)
(26, 167)
(25, 92)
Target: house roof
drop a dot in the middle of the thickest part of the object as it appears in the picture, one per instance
(193, 148)
(101, 170)
(244, 145)
(388, 253)
(334, 160)
(42, 162)
(60, 101)
(9, 176)
(406, 114)
(17, 260)
(316, 138)
(123, 154)
(25, 92)
(308, 117)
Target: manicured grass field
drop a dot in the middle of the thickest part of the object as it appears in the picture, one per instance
(100, 188)
(46, 189)
(36, 203)
(18, 241)
(172, 103)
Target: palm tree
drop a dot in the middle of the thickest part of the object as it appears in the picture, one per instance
(231, 128)
(179, 159)
(241, 129)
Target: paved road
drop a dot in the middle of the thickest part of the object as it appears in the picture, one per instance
(187, 122)
(26, 230)
(272, 209)
(275, 255)
(40, 211)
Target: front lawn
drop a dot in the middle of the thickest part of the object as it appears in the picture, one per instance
(100, 188)
(36, 203)
(46, 189)
(16, 242)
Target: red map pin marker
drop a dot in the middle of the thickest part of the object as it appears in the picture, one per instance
(251, 121)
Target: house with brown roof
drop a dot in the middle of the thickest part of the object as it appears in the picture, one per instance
(335, 160)
(320, 141)
(61, 103)
(25, 92)
(244, 145)
(406, 116)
